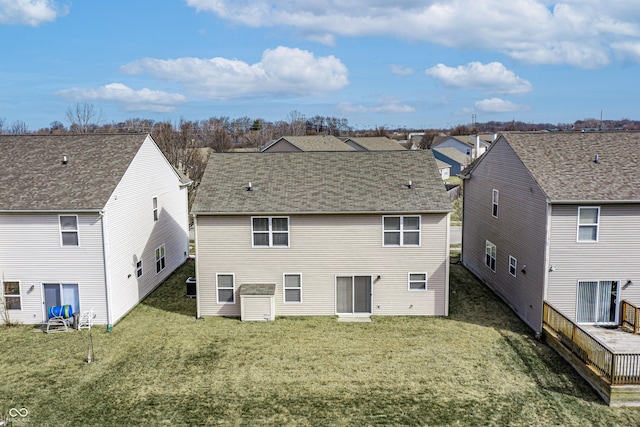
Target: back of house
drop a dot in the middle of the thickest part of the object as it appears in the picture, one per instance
(327, 233)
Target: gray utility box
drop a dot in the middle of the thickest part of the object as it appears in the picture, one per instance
(191, 287)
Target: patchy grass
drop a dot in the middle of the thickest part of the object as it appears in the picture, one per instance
(159, 366)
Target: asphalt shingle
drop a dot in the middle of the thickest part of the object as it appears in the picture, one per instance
(321, 182)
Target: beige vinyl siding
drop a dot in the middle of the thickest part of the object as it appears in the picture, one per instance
(321, 248)
(133, 235)
(616, 255)
(519, 230)
(30, 252)
(258, 308)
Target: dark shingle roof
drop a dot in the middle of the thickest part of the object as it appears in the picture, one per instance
(563, 164)
(321, 182)
(35, 178)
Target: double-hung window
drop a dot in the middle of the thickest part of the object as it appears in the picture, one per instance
(401, 230)
(160, 262)
(225, 289)
(417, 281)
(270, 231)
(11, 294)
(513, 265)
(494, 203)
(588, 223)
(139, 268)
(292, 288)
(69, 230)
(155, 209)
(490, 256)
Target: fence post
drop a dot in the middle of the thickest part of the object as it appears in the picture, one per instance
(635, 320)
(614, 360)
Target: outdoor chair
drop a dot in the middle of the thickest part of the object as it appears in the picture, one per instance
(58, 318)
(85, 319)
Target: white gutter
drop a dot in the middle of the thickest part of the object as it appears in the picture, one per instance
(107, 279)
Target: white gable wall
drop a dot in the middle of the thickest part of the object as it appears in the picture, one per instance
(31, 253)
(132, 234)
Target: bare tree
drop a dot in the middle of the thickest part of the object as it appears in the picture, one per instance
(2, 120)
(297, 123)
(83, 118)
(18, 128)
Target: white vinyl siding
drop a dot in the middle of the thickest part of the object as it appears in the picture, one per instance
(225, 289)
(69, 234)
(417, 281)
(401, 230)
(323, 247)
(513, 266)
(292, 288)
(494, 203)
(270, 231)
(11, 294)
(490, 256)
(588, 224)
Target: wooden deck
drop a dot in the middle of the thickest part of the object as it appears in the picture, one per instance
(619, 340)
(608, 359)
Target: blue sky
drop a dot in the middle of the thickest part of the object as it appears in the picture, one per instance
(402, 63)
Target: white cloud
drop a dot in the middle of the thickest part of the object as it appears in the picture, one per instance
(628, 50)
(281, 71)
(129, 99)
(575, 32)
(492, 77)
(497, 105)
(385, 105)
(30, 12)
(401, 70)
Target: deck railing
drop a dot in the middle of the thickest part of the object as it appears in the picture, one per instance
(614, 368)
(630, 316)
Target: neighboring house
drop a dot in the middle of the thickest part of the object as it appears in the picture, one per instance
(306, 143)
(456, 159)
(94, 221)
(444, 168)
(322, 233)
(374, 143)
(555, 217)
(471, 145)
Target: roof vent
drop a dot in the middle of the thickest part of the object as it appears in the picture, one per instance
(64, 160)
(249, 187)
(597, 159)
(410, 185)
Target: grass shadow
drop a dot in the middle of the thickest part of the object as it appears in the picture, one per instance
(171, 295)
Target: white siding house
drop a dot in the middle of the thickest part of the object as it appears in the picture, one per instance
(94, 221)
(335, 233)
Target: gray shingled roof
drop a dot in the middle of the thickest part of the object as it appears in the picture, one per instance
(35, 178)
(454, 154)
(377, 143)
(321, 182)
(314, 143)
(563, 164)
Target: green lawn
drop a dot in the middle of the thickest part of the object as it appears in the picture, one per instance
(159, 366)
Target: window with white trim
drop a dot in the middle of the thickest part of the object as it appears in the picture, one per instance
(69, 230)
(225, 289)
(139, 268)
(513, 265)
(292, 288)
(588, 223)
(155, 209)
(160, 262)
(490, 256)
(401, 230)
(494, 203)
(11, 295)
(270, 231)
(417, 281)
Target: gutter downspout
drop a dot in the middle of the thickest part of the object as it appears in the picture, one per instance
(107, 279)
(195, 236)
